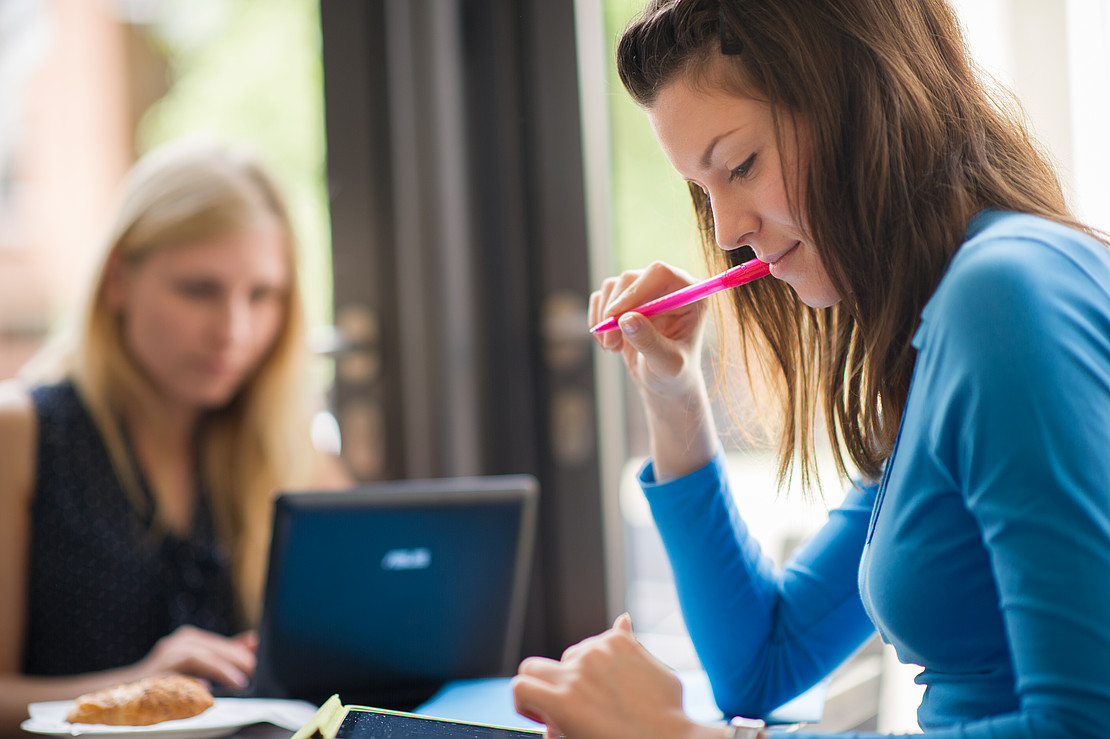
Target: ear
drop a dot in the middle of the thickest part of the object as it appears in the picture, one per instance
(115, 281)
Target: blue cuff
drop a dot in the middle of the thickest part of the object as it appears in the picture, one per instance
(711, 472)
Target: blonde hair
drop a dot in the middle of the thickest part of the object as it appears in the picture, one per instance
(259, 442)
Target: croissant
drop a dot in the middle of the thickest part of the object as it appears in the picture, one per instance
(143, 702)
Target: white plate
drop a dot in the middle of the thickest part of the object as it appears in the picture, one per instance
(225, 717)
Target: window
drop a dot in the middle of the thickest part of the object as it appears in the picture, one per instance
(91, 85)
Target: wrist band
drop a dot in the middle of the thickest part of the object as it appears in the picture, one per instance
(745, 728)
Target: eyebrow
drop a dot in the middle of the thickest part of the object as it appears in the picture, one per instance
(708, 155)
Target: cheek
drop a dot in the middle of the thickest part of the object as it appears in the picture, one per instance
(154, 333)
(820, 290)
(269, 321)
(770, 198)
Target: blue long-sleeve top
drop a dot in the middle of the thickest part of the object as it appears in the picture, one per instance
(984, 553)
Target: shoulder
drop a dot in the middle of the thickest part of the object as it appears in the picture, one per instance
(17, 412)
(1018, 252)
(1023, 273)
(331, 473)
(1024, 302)
(18, 431)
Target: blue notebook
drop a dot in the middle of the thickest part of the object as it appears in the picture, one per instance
(334, 720)
(491, 701)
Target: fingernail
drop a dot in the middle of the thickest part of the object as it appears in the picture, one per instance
(630, 324)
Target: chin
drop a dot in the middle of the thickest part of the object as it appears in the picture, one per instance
(215, 398)
(821, 297)
(822, 301)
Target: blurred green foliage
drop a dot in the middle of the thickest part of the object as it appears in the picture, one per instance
(652, 216)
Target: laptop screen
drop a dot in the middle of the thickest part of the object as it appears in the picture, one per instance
(382, 593)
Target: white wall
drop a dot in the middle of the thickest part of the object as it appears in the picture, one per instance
(1055, 55)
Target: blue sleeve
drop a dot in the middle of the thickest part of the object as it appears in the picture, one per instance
(763, 636)
(1017, 347)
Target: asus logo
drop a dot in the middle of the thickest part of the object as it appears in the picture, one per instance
(419, 558)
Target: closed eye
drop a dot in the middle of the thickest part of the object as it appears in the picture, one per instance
(199, 289)
(743, 170)
(267, 292)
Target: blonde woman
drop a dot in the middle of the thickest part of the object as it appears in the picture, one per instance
(139, 453)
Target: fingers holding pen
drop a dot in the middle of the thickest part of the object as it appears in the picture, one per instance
(605, 303)
(624, 292)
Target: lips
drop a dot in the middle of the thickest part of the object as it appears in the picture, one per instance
(774, 260)
(217, 368)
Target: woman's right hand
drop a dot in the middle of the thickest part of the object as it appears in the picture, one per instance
(661, 352)
(663, 357)
(225, 660)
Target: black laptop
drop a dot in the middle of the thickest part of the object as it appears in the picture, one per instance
(382, 593)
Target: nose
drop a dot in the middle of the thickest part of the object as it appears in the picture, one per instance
(734, 223)
(235, 319)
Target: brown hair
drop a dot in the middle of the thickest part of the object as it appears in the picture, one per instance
(906, 143)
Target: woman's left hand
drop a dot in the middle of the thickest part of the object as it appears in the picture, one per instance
(608, 686)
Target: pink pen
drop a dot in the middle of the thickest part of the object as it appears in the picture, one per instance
(739, 275)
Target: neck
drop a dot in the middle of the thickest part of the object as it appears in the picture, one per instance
(165, 424)
(163, 440)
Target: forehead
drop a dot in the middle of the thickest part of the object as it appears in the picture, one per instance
(692, 99)
(260, 251)
(690, 115)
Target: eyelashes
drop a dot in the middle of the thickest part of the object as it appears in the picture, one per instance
(739, 173)
(701, 194)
